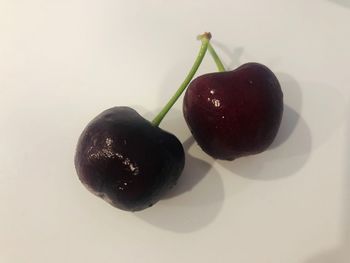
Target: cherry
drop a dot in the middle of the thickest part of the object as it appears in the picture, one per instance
(128, 161)
(234, 113)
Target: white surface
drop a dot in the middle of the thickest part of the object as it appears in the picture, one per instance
(62, 62)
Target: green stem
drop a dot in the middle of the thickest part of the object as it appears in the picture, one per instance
(216, 58)
(205, 42)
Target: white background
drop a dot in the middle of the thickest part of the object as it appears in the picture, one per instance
(62, 62)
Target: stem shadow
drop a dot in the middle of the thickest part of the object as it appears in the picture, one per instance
(233, 54)
(343, 3)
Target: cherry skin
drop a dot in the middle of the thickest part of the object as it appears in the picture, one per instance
(234, 113)
(124, 159)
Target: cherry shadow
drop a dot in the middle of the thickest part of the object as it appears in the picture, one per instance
(234, 55)
(291, 147)
(197, 198)
(292, 97)
(195, 171)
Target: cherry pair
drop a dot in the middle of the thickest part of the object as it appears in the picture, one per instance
(130, 162)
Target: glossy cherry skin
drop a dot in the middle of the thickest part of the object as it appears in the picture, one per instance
(124, 159)
(234, 113)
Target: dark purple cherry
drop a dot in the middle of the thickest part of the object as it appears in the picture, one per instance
(127, 160)
(234, 113)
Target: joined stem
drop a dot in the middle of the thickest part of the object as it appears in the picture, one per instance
(212, 52)
(203, 49)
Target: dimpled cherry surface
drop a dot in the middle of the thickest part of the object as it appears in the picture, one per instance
(234, 113)
(124, 159)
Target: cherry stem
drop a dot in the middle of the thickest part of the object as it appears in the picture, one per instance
(205, 38)
(216, 58)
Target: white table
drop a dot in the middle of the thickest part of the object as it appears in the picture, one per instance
(63, 62)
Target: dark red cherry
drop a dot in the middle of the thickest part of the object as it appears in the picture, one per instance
(234, 113)
(124, 159)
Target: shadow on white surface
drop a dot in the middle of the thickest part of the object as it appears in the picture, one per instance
(343, 3)
(234, 55)
(198, 196)
(292, 107)
(291, 148)
(193, 203)
(195, 171)
(341, 253)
